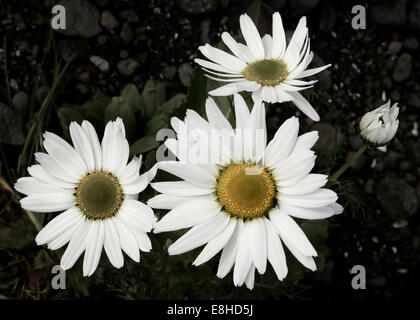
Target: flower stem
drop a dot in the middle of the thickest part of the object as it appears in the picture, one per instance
(349, 162)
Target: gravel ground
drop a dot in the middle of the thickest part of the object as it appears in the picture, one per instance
(122, 42)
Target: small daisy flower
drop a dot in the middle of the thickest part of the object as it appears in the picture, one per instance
(243, 204)
(266, 66)
(379, 126)
(98, 192)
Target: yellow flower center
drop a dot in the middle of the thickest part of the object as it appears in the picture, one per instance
(99, 195)
(246, 191)
(267, 72)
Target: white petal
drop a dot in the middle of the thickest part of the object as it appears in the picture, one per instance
(165, 201)
(131, 171)
(234, 47)
(58, 225)
(128, 242)
(223, 58)
(188, 214)
(290, 230)
(53, 168)
(214, 66)
(48, 202)
(243, 259)
(292, 55)
(306, 141)
(310, 183)
(199, 235)
(294, 165)
(282, 143)
(267, 43)
(137, 215)
(76, 246)
(94, 142)
(311, 213)
(304, 106)
(64, 154)
(29, 185)
(217, 244)
(275, 252)
(320, 198)
(115, 149)
(251, 36)
(82, 145)
(242, 114)
(258, 244)
(227, 259)
(94, 247)
(38, 172)
(279, 38)
(215, 116)
(193, 173)
(307, 261)
(112, 244)
(180, 188)
(250, 278)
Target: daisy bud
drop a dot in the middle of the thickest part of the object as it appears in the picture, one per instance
(380, 125)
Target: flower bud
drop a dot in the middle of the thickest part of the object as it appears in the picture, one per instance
(380, 125)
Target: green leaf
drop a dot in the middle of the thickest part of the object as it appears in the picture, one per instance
(69, 114)
(143, 145)
(119, 108)
(131, 96)
(197, 92)
(254, 10)
(153, 95)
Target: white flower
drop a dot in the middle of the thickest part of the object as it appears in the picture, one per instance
(380, 125)
(235, 205)
(98, 192)
(267, 67)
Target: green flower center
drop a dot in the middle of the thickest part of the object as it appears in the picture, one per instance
(267, 72)
(246, 191)
(99, 195)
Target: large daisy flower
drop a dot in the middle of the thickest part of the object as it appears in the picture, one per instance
(98, 192)
(266, 66)
(244, 202)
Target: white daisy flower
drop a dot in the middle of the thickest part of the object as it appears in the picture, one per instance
(236, 205)
(98, 192)
(267, 67)
(380, 125)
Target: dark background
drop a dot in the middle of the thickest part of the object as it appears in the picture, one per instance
(139, 40)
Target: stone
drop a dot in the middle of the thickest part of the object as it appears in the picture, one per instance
(413, 99)
(184, 71)
(394, 47)
(414, 15)
(100, 63)
(303, 6)
(411, 43)
(403, 68)
(82, 18)
(396, 197)
(108, 20)
(11, 129)
(391, 14)
(169, 72)
(126, 33)
(130, 16)
(197, 6)
(127, 67)
(20, 102)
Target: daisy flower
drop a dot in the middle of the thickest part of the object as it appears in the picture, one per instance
(266, 66)
(98, 192)
(244, 203)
